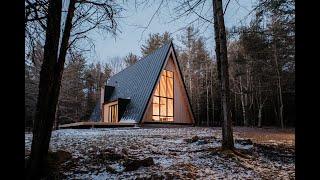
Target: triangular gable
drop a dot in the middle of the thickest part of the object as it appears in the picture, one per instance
(180, 85)
(136, 83)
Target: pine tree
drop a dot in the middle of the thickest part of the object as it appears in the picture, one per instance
(70, 104)
(130, 59)
(154, 42)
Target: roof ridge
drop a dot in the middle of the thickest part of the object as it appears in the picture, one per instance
(143, 58)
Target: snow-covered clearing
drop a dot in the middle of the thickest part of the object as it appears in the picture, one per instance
(177, 153)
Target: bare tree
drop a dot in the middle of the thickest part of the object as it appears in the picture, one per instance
(45, 111)
(279, 86)
(222, 59)
(212, 94)
(207, 93)
(58, 39)
(117, 64)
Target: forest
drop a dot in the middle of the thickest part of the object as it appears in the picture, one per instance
(240, 81)
(261, 64)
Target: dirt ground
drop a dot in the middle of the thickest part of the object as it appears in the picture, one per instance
(171, 153)
(267, 135)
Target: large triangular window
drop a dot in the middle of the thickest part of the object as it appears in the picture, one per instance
(162, 102)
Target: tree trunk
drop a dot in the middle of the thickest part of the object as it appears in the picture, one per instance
(276, 113)
(260, 105)
(207, 97)
(46, 107)
(243, 105)
(49, 86)
(247, 96)
(190, 81)
(212, 97)
(279, 87)
(189, 71)
(56, 117)
(198, 109)
(260, 115)
(198, 100)
(227, 135)
(235, 103)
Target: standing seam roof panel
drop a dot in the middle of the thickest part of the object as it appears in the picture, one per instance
(136, 83)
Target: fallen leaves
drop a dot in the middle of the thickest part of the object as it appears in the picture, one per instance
(168, 153)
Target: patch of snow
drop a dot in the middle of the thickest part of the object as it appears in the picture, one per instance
(167, 148)
(118, 167)
(164, 162)
(241, 146)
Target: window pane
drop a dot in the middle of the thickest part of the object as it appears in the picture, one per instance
(170, 107)
(155, 105)
(112, 113)
(156, 100)
(163, 86)
(170, 119)
(163, 107)
(155, 118)
(116, 113)
(109, 119)
(157, 90)
(170, 87)
(163, 118)
(164, 73)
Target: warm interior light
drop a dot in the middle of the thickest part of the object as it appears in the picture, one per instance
(113, 113)
(162, 103)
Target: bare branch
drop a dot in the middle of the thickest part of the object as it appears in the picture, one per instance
(225, 9)
(156, 12)
(192, 10)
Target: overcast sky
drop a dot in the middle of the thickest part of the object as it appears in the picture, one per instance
(132, 36)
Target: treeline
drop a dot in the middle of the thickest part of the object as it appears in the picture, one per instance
(80, 87)
(261, 67)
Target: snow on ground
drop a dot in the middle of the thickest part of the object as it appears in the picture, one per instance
(176, 153)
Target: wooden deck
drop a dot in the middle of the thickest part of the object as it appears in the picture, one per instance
(86, 125)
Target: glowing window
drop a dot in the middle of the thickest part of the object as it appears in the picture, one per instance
(162, 102)
(113, 113)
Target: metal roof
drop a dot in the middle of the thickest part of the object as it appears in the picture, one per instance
(137, 82)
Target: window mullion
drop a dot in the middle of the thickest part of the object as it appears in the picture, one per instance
(165, 96)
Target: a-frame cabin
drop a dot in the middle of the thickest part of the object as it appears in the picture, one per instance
(152, 91)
